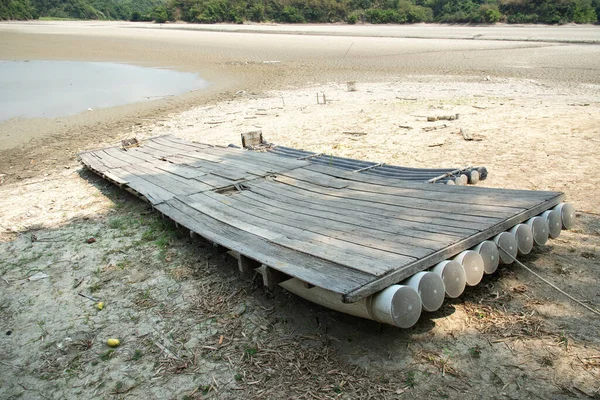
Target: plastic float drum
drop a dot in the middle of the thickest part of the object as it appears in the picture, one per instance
(453, 275)
(472, 263)
(490, 255)
(567, 214)
(539, 228)
(507, 247)
(430, 287)
(397, 305)
(554, 220)
(524, 238)
(473, 177)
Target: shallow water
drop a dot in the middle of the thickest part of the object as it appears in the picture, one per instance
(51, 89)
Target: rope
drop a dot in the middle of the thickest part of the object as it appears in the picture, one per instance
(520, 264)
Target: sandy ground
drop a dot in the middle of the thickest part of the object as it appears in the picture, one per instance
(190, 327)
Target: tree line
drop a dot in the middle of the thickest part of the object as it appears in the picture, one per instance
(315, 11)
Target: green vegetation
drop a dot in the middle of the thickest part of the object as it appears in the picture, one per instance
(134, 10)
(300, 11)
(380, 11)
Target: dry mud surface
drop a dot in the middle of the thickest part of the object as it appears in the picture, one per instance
(191, 327)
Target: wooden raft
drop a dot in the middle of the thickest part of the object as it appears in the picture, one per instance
(353, 234)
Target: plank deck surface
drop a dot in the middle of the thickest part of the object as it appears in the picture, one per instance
(351, 233)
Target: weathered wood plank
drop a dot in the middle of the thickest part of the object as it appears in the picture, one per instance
(93, 162)
(156, 151)
(426, 262)
(123, 155)
(115, 178)
(346, 232)
(418, 204)
(179, 147)
(364, 259)
(181, 170)
(152, 192)
(455, 223)
(233, 173)
(175, 139)
(250, 166)
(480, 198)
(310, 269)
(394, 182)
(260, 157)
(109, 160)
(388, 228)
(165, 181)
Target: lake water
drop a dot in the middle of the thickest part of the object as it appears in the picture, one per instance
(51, 89)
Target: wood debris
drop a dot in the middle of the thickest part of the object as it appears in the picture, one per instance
(434, 128)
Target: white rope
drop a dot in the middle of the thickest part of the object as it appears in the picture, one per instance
(581, 303)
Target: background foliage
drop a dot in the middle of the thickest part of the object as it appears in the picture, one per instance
(300, 11)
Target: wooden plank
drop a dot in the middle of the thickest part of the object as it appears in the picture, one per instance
(170, 146)
(191, 143)
(181, 170)
(154, 193)
(478, 197)
(166, 148)
(310, 269)
(346, 232)
(93, 162)
(164, 181)
(155, 152)
(115, 178)
(418, 204)
(402, 218)
(205, 175)
(433, 200)
(109, 160)
(388, 227)
(394, 182)
(123, 155)
(261, 157)
(175, 141)
(364, 259)
(247, 165)
(232, 172)
(176, 183)
(426, 262)
(137, 152)
(391, 211)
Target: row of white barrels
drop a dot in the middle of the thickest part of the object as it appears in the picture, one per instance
(401, 305)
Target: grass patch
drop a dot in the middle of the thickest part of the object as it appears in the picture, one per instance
(475, 351)
(137, 355)
(107, 355)
(410, 379)
(250, 351)
(95, 287)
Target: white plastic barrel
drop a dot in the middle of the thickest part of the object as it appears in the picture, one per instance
(490, 255)
(453, 275)
(472, 263)
(430, 287)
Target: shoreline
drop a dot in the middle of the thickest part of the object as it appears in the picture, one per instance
(568, 33)
(235, 62)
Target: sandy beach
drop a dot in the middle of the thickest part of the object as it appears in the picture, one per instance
(190, 327)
